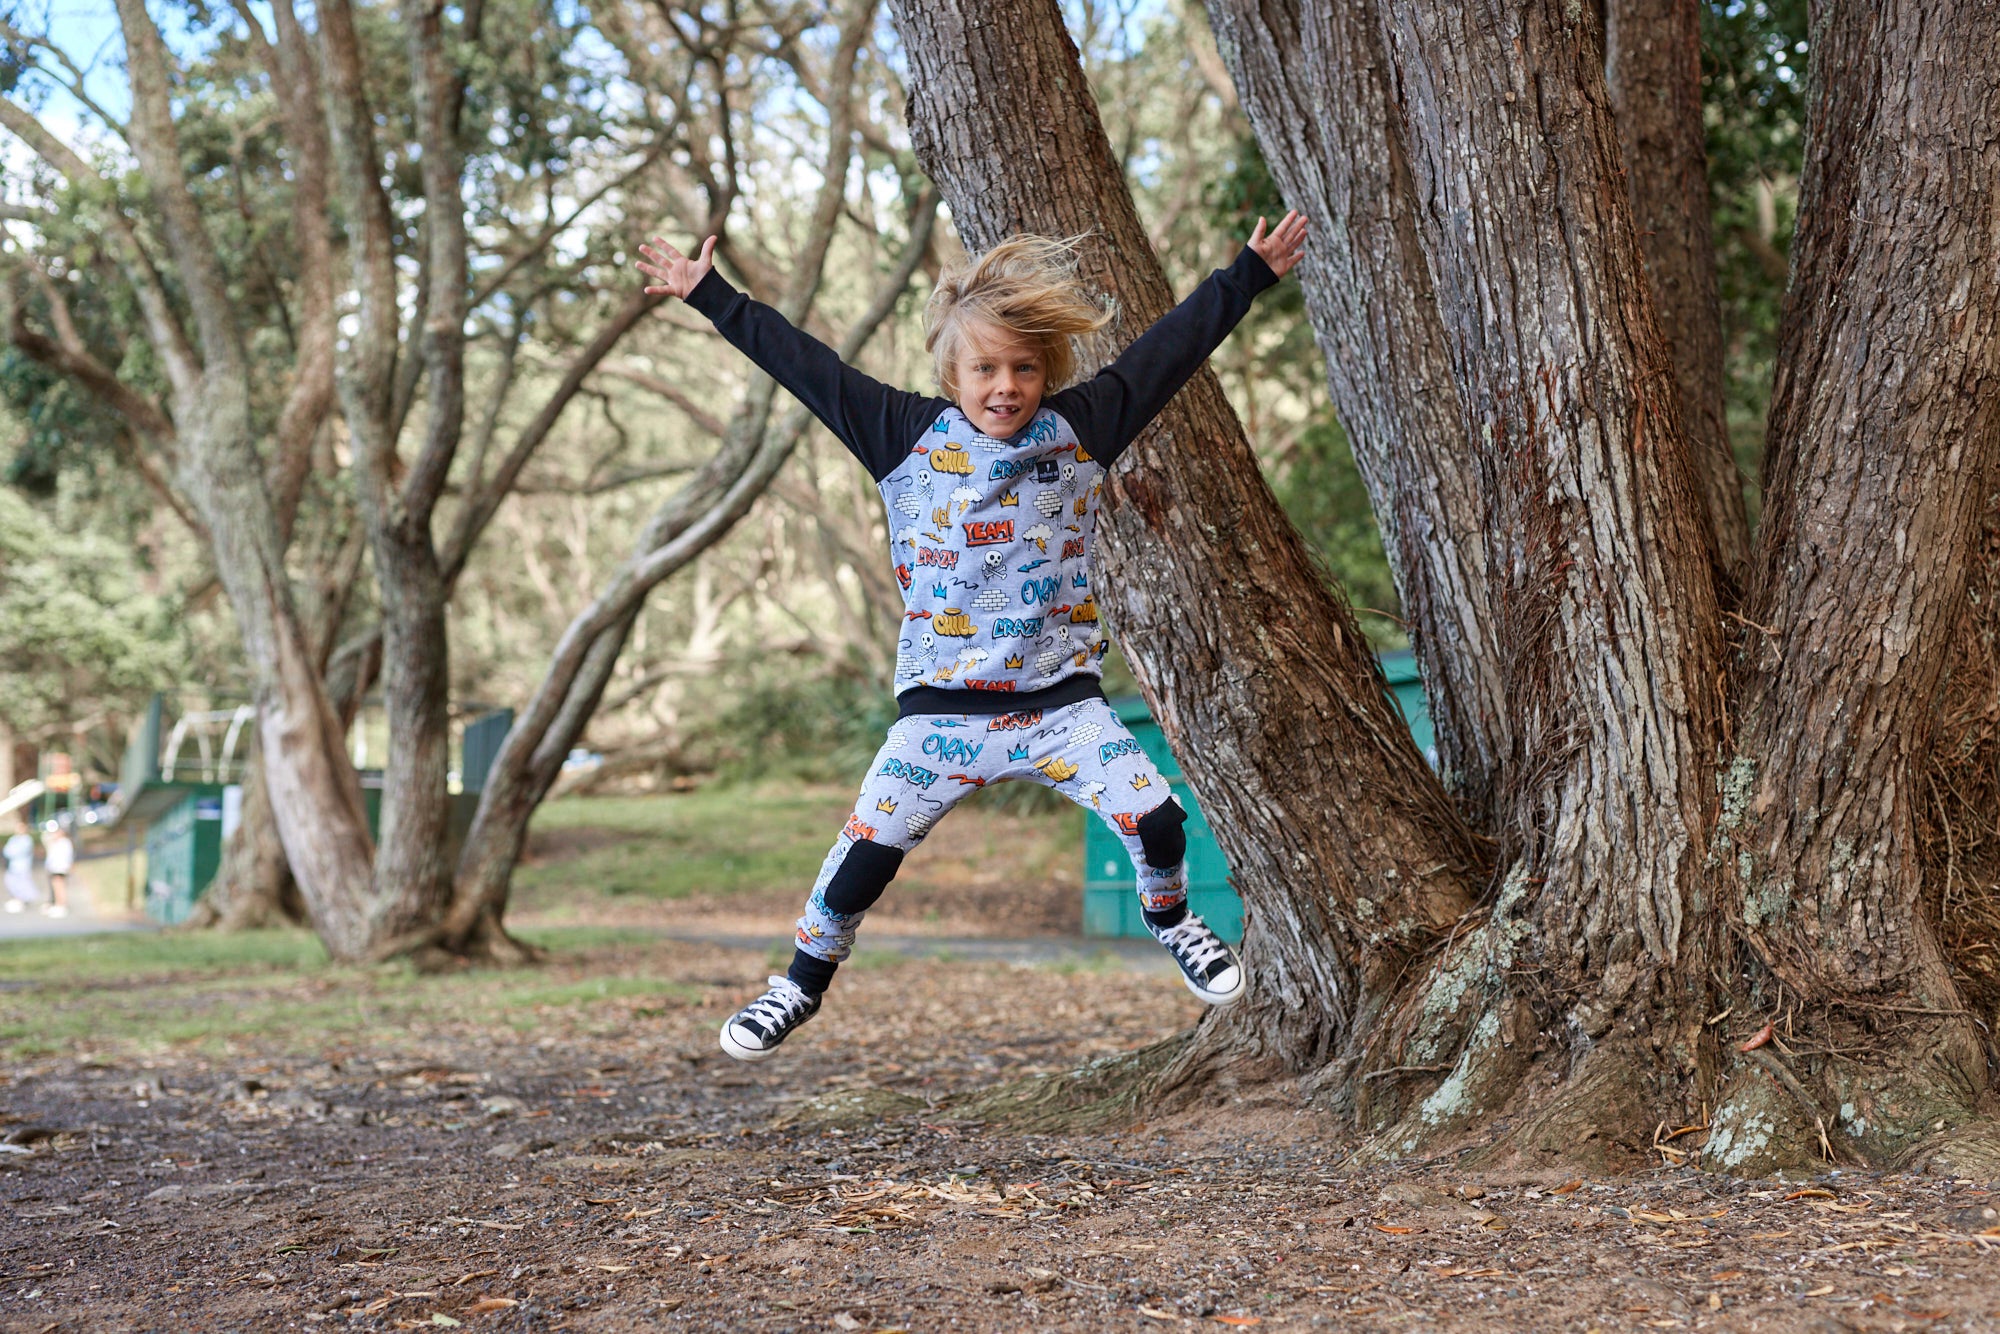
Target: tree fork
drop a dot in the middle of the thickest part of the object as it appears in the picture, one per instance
(1348, 853)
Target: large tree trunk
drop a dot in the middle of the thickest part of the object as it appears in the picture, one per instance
(310, 782)
(1884, 427)
(1653, 68)
(1348, 853)
(1602, 570)
(1310, 78)
(1641, 812)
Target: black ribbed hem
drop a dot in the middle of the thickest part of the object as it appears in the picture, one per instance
(985, 703)
(711, 294)
(811, 973)
(1165, 917)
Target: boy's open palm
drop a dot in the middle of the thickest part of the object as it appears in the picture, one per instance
(674, 274)
(1286, 242)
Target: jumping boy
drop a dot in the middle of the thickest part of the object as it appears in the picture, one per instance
(992, 495)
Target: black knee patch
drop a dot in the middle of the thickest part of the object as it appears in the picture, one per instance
(1161, 835)
(863, 874)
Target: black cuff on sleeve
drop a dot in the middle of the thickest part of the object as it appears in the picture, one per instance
(711, 294)
(1252, 271)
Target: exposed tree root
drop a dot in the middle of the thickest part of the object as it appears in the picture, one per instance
(1970, 1151)
(848, 1109)
(1109, 1089)
(487, 944)
(1483, 1078)
(1601, 1118)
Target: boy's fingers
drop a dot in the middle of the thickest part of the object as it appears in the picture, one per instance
(1257, 232)
(707, 249)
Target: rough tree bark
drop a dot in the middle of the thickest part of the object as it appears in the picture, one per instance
(1313, 89)
(1884, 432)
(1652, 62)
(1655, 791)
(1347, 851)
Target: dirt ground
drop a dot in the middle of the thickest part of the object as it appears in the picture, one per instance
(605, 1167)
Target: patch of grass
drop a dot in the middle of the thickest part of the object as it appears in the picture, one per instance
(716, 841)
(146, 992)
(128, 954)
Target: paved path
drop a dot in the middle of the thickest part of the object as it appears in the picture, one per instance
(84, 916)
(1144, 956)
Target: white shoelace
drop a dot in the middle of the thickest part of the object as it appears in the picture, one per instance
(777, 1006)
(1190, 939)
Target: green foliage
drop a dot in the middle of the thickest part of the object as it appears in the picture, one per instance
(822, 728)
(1321, 489)
(76, 635)
(1753, 100)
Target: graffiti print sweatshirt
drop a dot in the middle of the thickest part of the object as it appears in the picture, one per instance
(991, 537)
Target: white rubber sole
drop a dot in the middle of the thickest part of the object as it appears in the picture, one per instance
(1208, 997)
(743, 1053)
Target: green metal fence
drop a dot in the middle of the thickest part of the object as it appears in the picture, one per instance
(1111, 908)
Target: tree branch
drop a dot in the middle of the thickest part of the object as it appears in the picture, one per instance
(670, 391)
(157, 144)
(479, 509)
(295, 79)
(67, 354)
(162, 325)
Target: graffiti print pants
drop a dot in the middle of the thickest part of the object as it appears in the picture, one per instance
(929, 762)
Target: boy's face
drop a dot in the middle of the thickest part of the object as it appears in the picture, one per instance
(1000, 379)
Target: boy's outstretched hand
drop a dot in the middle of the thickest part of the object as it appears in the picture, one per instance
(1282, 248)
(678, 275)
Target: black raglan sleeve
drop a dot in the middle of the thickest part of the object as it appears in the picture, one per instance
(1109, 410)
(876, 423)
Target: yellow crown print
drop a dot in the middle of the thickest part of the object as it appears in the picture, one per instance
(1014, 662)
(886, 806)
(1140, 782)
(1011, 498)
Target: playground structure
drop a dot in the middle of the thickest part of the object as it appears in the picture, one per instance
(180, 788)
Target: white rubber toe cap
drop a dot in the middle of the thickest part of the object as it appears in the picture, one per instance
(742, 1043)
(1221, 989)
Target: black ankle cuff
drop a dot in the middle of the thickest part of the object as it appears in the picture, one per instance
(1166, 917)
(810, 973)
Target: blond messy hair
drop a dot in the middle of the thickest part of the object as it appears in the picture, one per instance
(1027, 286)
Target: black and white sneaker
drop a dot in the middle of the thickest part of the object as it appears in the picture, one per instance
(760, 1026)
(1208, 965)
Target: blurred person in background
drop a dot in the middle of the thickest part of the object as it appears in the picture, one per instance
(20, 876)
(59, 858)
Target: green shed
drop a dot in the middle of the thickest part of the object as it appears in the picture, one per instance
(183, 849)
(1110, 908)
